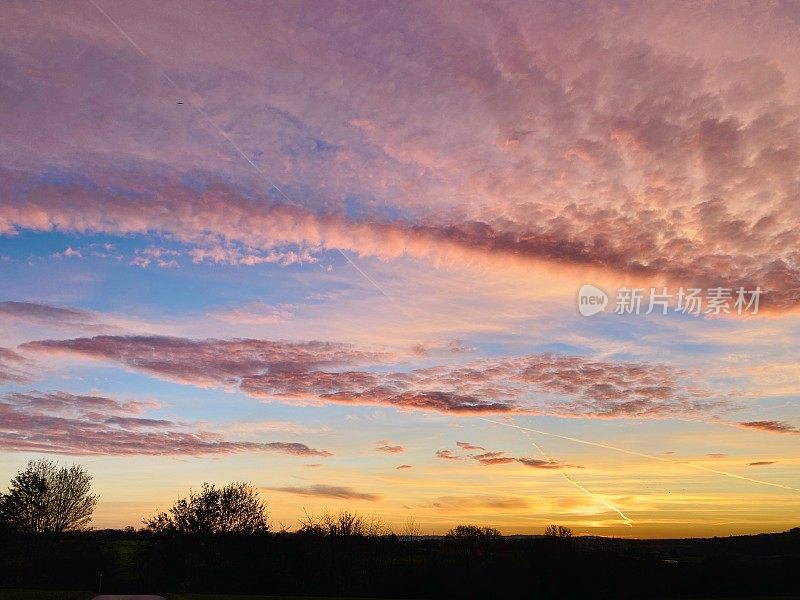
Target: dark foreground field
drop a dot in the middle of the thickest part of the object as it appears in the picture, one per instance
(282, 565)
(62, 595)
(84, 595)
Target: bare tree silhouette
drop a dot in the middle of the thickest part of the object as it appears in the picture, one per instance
(410, 530)
(343, 524)
(48, 498)
(559, 531)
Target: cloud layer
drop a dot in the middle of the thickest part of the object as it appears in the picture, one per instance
(553, 135)
(44, 314)
(207, 362)
(64, 423)
(560, 385)
(12, 367)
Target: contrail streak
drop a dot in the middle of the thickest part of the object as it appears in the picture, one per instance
(375, 283)
(625, 519)
(228, 138)
(650, 456)
(589, 493)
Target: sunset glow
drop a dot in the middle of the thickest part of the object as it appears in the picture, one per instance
(335, 250)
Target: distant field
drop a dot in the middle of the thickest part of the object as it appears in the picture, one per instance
(44, 595)
(216, 597)
(226, 597)
(67, 595)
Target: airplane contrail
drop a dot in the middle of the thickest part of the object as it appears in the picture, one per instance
(375, 283)
(625, 520)
(230, 140)
(628, 522)
(650, 456)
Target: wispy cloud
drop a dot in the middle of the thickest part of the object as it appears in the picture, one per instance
(570, 386)
(69, 252)
(447, 455)
(254, 313)
(13, 367)
(44, 314)
(208, 362)
(64, 423)
(493, 458)
(503, 458)
(328, 491)
(770, 426)
(386, 446)
(468, 446)
(463, 503)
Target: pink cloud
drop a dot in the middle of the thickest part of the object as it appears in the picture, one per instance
(13, 367)
(447, 455)
(64, 423)
(207, 362)
(386, 446)
(556, 162)
(573, 386)
(502, 458)
(770, 426)
(468, 446)
(47, 315)
(536, 463)
(493, 458)
(579, 238)
(567, 386)
(631, 155)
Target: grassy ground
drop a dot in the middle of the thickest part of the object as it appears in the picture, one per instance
(44, 595)
(215, 597)
(57, 595)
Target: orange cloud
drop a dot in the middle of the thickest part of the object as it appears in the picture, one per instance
(329, 491)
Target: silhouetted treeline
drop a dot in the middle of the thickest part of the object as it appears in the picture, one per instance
(313, 563)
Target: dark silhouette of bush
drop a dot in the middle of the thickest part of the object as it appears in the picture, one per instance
(234, 508)
(473, 532)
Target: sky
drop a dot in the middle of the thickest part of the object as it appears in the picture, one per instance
(348, 252)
